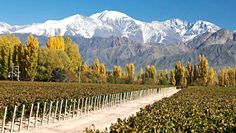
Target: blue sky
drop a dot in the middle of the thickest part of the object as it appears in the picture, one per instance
(220, 12)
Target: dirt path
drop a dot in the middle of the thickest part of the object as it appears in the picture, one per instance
(103, 118)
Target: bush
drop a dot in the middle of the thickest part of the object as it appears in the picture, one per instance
(58, 75)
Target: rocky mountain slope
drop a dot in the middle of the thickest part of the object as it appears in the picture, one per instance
(117, 39)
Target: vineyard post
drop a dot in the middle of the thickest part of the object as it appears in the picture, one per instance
(102, 102)
(96, 103)
(78, 109)
(44, 110)
(112, 98)
(124, 94)
(31, 111)
(126, 97)
(36, 115)
(106, 101)
(65, 109)
(85, 106)
(115, 99)
(109, 101)
(22, 116)
(82, 106)
(70, 106)
(74, 108)
(60, 109)
(91, 104)
(50, 110)
(131, 93)
(120, 97)
(97, 99)
(55, 114)
(123, 97)
(92, 98)
(128, 94)
(88, 105)
(4, 120)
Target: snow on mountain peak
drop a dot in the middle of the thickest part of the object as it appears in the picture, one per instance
(109, 15)
(114, 23)
(4, 28)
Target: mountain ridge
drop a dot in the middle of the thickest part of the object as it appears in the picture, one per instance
(113, 23)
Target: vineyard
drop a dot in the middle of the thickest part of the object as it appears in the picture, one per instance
(197, 109)
(29, 92)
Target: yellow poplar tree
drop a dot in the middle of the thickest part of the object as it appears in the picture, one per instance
(117, 72)
(56, 43)
(103, 72)
(31, 50)
(221, 77)
(180, 74)
(160, 75)
(10, 52)
(203, 69)
(166, 74)
(226, 78)
(153, 72)
(172, 77)
(211, 80)
(189, 73)
(96, 67)
(231, 74)
(130, 69)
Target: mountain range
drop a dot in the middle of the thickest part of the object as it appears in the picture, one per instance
(116, 38)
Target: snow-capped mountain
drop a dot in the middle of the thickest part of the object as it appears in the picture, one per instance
(4, 28)
(112, 23)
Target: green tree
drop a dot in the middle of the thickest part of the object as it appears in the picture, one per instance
(72, 50)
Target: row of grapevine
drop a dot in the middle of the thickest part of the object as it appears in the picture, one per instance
(197, 109)
(37, 114)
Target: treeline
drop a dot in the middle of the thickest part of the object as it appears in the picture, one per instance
(58, 61)
(61, 61)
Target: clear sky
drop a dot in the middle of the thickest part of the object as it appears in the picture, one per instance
(220, 12)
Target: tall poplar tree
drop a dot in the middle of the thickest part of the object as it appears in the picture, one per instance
(31, 50)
